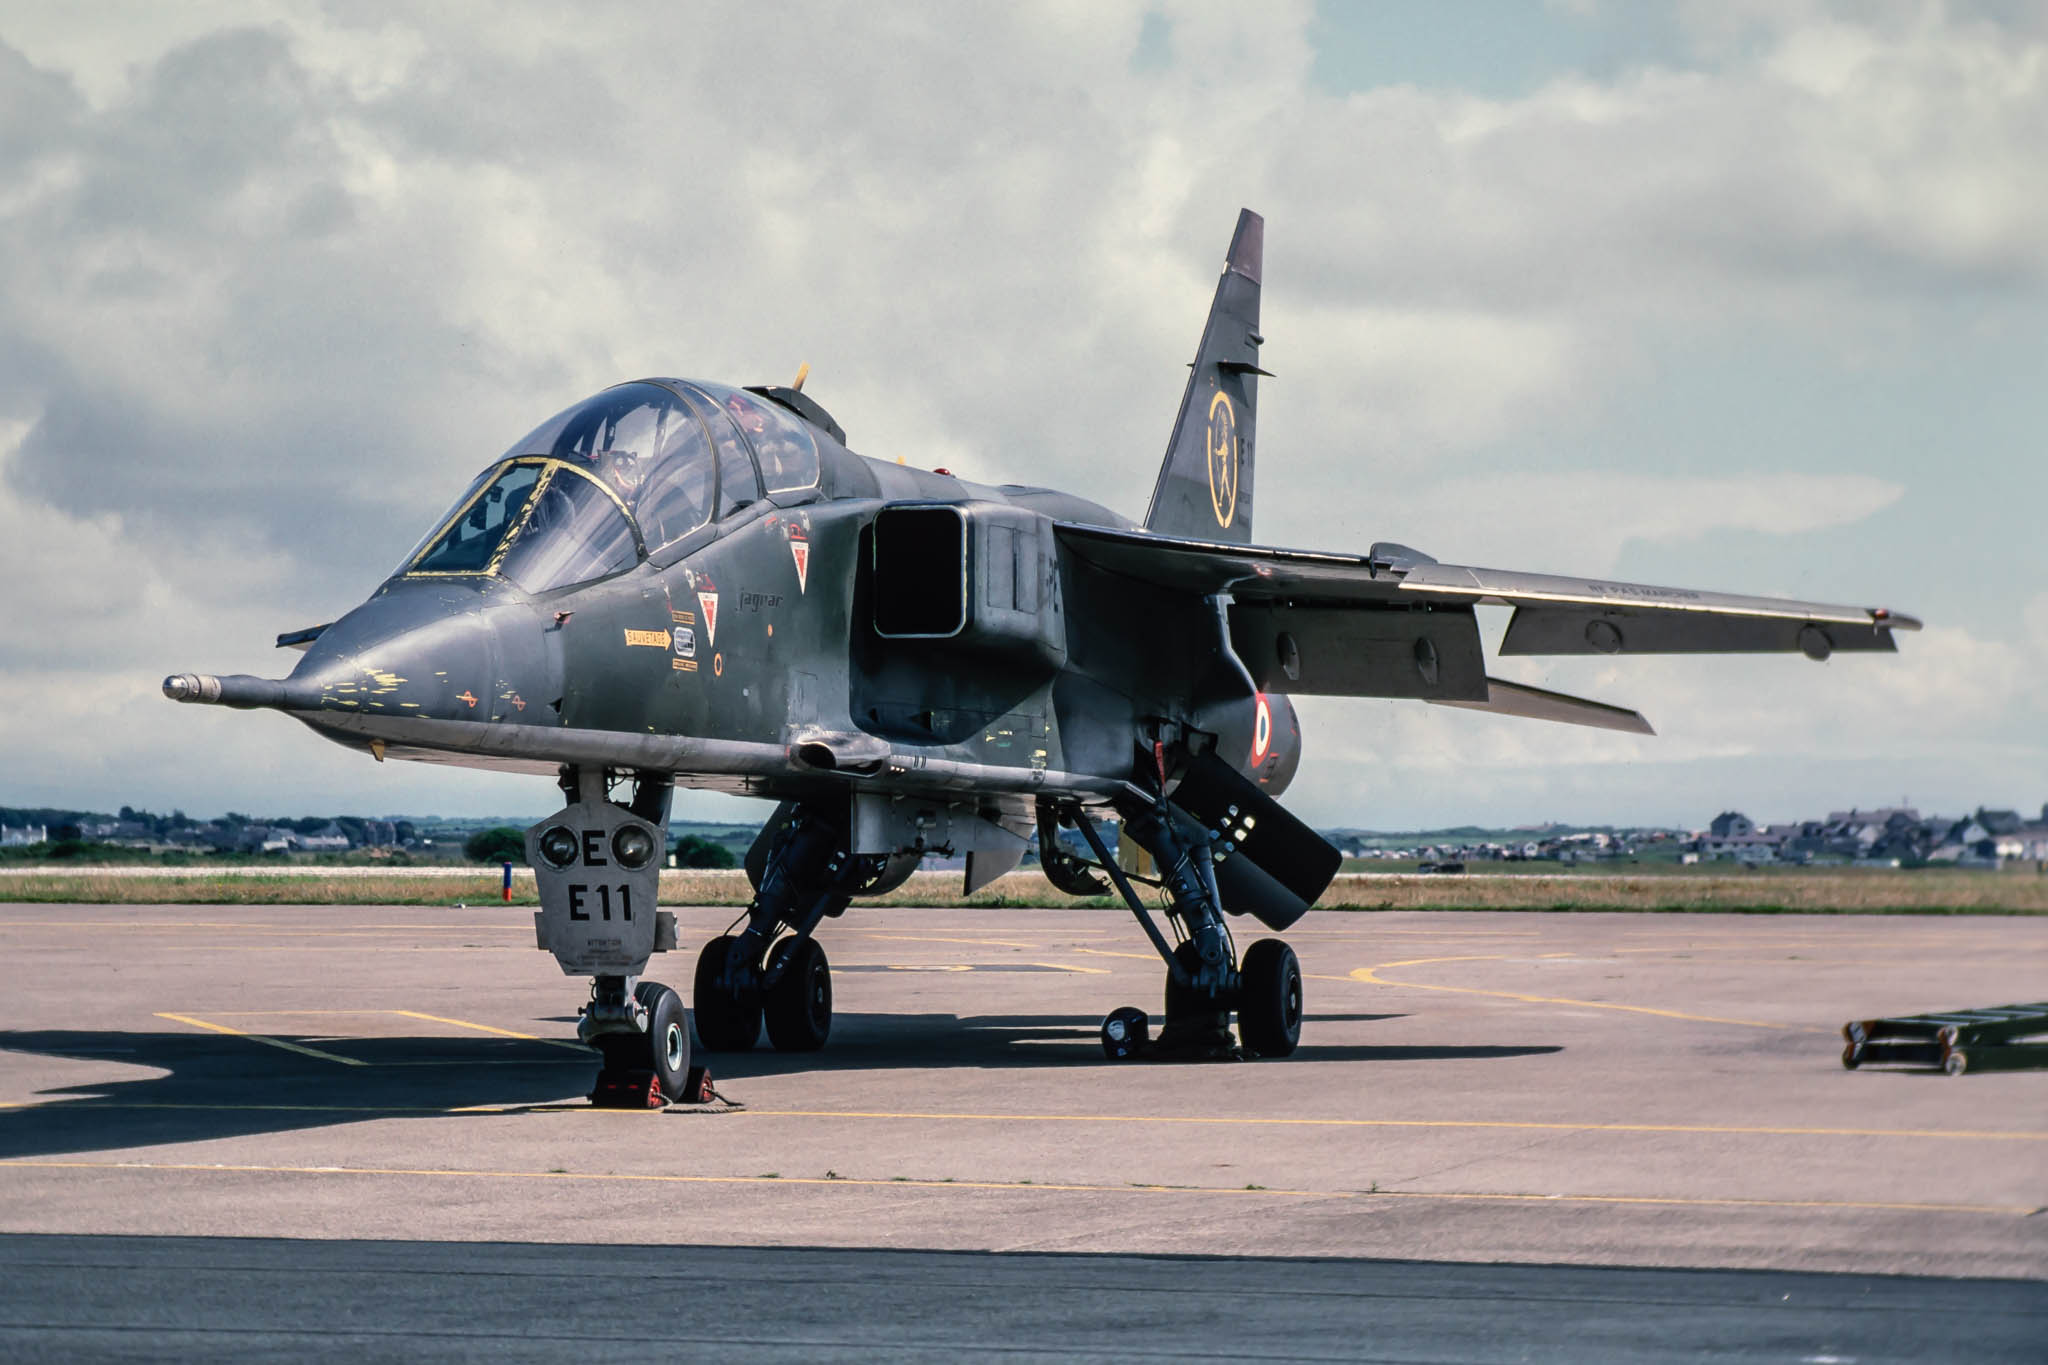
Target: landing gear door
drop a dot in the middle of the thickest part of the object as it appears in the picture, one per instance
(598, 870)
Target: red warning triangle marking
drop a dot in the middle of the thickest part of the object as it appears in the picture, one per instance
(800, 550)
(709, 601)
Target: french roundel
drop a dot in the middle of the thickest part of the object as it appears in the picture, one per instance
(1262, 731)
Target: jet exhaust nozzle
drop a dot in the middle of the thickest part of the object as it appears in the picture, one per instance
(236, 689)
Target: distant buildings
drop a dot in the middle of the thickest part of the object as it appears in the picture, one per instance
(1548, 846)
(1896, 836)
(229, 834)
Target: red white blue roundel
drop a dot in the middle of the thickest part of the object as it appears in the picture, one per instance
(1262, 732)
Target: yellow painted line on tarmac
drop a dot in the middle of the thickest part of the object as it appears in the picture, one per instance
(259, 1038)
(1017, 1186)
(253, 927)
(1727, 1130)
(490, 1028)
(551, 1107)
(425, 1110)
(1370, 976)
(512, 943)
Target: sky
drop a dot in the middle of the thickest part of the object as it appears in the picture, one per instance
(1740, 296)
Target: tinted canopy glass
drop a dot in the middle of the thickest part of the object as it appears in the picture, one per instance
(541, 523)
(621, 435)
(470, 539)
(575, 531)
(783, 445)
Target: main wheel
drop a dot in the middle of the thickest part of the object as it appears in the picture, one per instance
(728, 1017)
(665, 1048)
(798, 1006)
(1269, 1009)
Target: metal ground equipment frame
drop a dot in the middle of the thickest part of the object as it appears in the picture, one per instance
(1999, 1038)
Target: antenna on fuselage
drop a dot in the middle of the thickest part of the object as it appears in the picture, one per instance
(803, 372)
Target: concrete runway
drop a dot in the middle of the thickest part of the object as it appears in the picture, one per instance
(1599, 1098)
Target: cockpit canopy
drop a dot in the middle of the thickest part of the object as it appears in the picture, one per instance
(629, 472)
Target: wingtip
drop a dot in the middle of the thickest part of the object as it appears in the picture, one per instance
(1894, 620)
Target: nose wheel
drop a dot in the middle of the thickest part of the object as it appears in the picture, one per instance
(646, 1067)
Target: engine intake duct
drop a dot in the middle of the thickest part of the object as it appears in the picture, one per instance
(1280, 866)
(974, 579)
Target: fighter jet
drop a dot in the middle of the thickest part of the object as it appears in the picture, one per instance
(679, 583)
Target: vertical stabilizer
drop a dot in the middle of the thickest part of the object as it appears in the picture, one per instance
(1205, 485)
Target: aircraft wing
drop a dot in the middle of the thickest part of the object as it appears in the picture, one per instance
(1553, 614)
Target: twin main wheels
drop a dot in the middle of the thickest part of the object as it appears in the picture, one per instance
(731, 1008)
(797, 1008)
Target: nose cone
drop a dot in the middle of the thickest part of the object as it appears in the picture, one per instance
(433, 650)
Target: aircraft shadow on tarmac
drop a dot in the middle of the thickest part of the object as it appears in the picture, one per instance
(206, 1086)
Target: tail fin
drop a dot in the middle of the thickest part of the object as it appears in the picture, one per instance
(1205, 485)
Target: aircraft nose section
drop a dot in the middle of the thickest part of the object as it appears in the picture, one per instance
(432, 651)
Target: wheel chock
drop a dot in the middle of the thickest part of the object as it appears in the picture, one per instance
(697, 1087)
(627, 1090)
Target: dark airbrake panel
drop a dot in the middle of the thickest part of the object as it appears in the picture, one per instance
(1354, 651)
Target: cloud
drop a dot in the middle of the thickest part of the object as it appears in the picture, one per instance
(1581, 522)
(273, 284)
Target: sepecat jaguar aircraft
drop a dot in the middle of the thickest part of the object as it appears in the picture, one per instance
(682, 583)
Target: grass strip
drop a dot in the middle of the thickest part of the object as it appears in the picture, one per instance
(1821, 892)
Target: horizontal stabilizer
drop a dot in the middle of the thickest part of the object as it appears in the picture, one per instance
(1533, 703)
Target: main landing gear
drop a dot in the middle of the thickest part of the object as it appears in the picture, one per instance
(1204, 982)
(754, 977)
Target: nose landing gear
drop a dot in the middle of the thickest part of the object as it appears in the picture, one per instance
(646, 1067)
